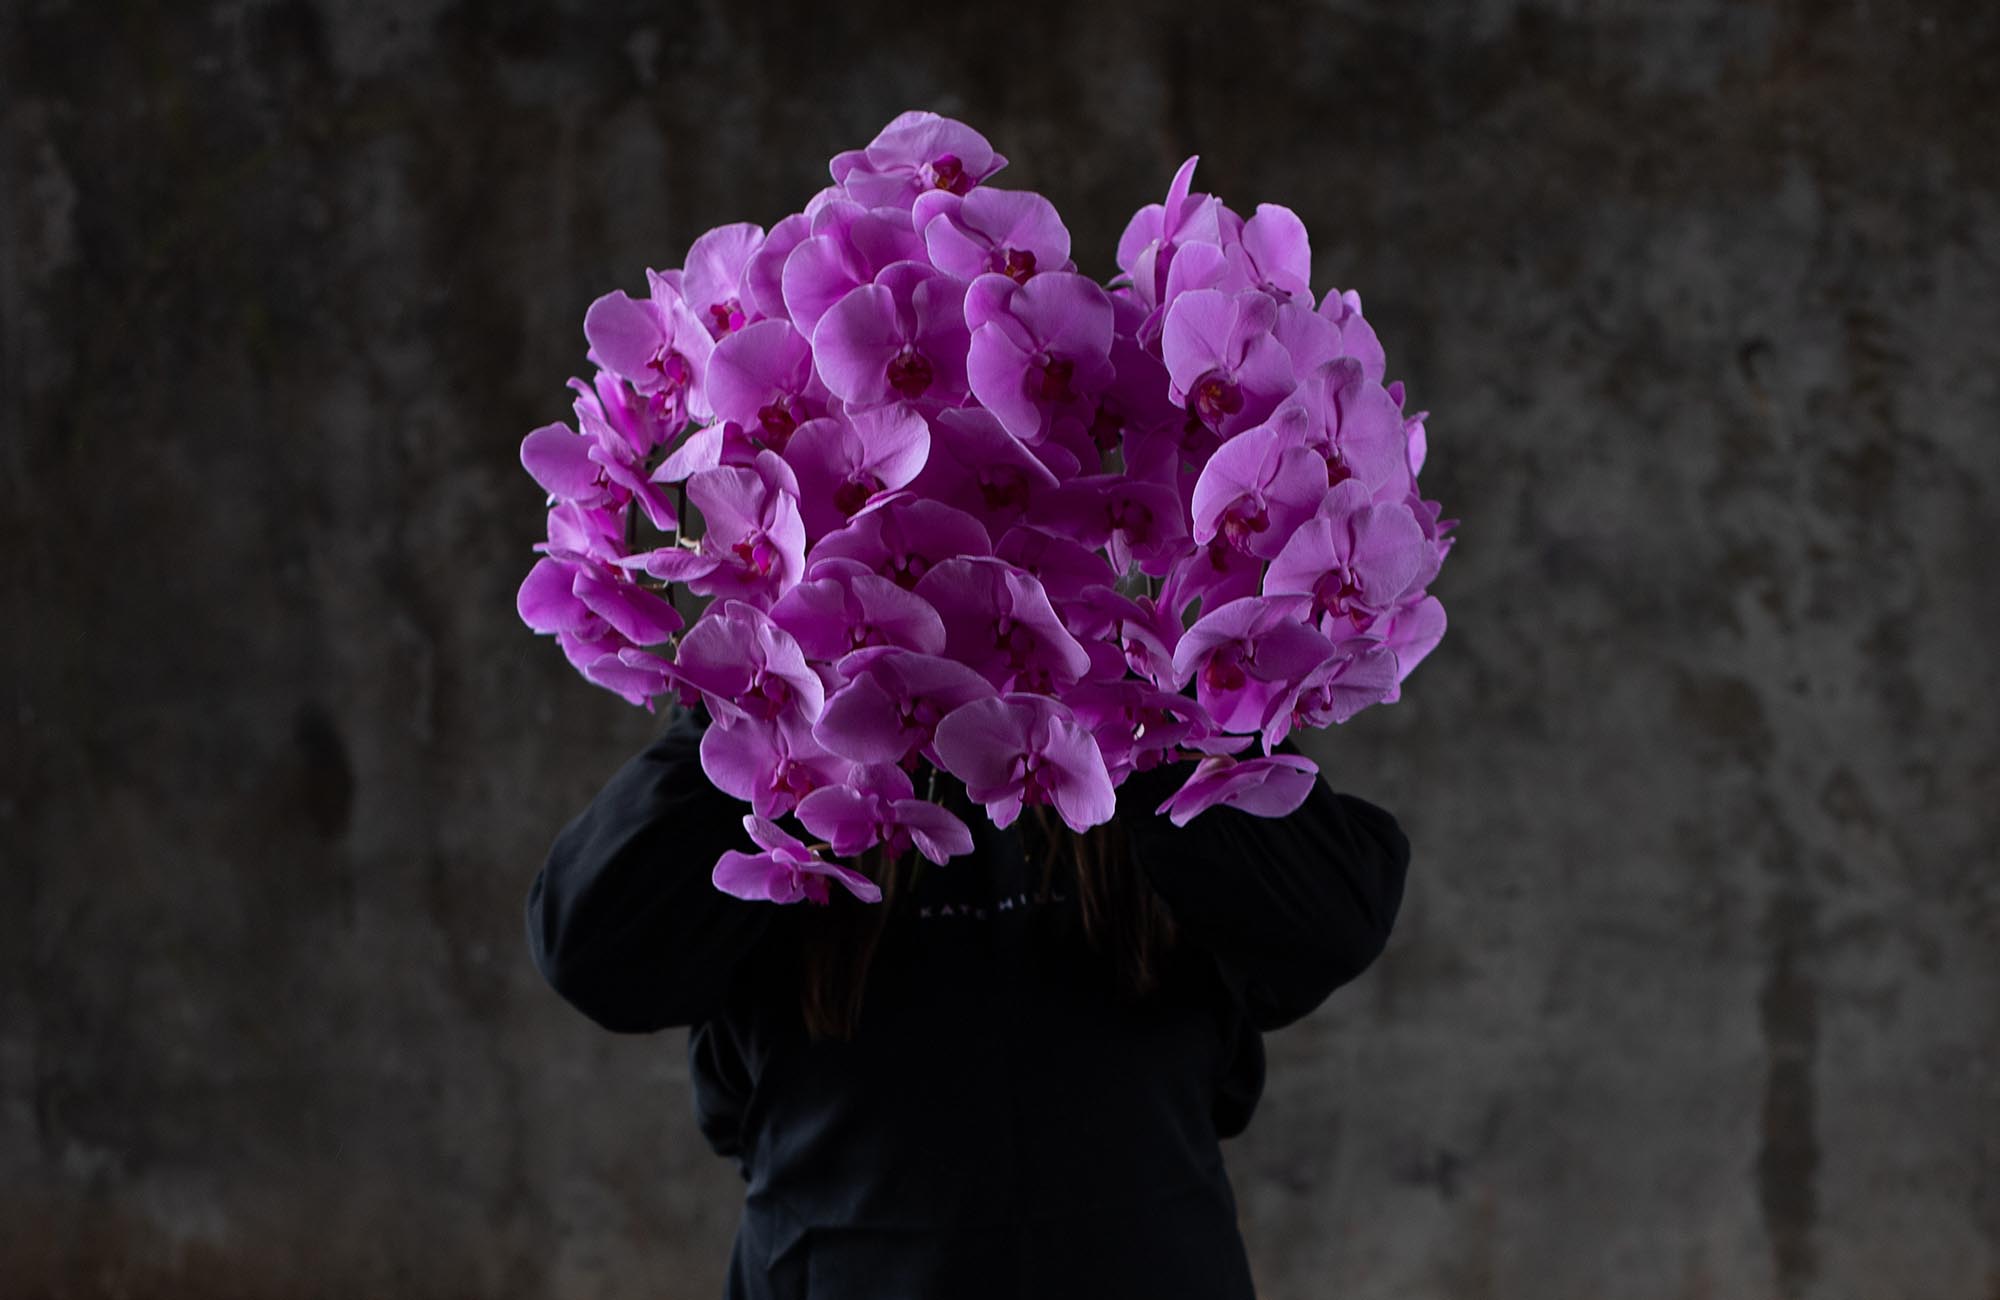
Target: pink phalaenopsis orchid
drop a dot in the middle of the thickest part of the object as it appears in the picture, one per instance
(1040, 351)
(843, 606)
(915, 153)
(1157, 232)
(900, 339)
(1353, 557)
(1269, 786)
(1259, 487)
(787, 871)
(769, 763)
(1225, 366)
(880, 807)
(1249, 657)
(888, 709)
(712, 284)
(1015, 233)
(656, 345)
(747, 666)
(844, 462)
(998, 622)
(1022, 749)
(761, 378)
(905, 538)
(756, 539)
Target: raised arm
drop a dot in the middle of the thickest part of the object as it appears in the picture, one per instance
(623, 920)
(1296, 905)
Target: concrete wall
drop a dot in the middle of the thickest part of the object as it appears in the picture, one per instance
(1696, 993)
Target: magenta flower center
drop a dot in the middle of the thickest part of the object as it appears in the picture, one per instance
(1215, 398)
(1038, 779)
(671, 367)
(1311, 703)
(1129, 517)
(948, 173)
(1016, 640)
(1243, 520)
(905, 569)
(917, 717)
(1048, 379)
(757, 554)
(853, 493)
(1016, 264)
(1224, 672)
(777, 419)
(909, 373)
(793, 778)
(726, 317)
(768, 696)
(1338, 593)
(1005, 488)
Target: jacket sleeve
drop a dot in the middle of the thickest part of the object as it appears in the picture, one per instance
(1292, 906)
(623, 919)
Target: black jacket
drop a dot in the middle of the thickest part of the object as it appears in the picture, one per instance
(1002, 1124)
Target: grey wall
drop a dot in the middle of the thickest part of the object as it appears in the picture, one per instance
(1696, 992)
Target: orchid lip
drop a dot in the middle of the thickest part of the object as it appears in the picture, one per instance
(909, 373)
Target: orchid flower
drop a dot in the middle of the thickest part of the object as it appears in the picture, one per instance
(1272, 254)
(1360, 673)
(903, 539)
(1259, 487)
(1247, 656)
(916, 152)
(977, 466)
(761, 377)
(769, 763)
(1135, 725)
(1355, 559)
(843, 605)
(889, 708)
(712, 284)
(755, 537)
(1224, 364)
(1270, 786)
(900, 339)
(1021, 749)
(1157, 231)
(843, 463)
(998, 622)
(1410, 633)
(655, 345)
(1357, 336)
(747, 666)
(848, 247)
(786, 871)
(879, 807)
(1015, 233)
(1038, 349)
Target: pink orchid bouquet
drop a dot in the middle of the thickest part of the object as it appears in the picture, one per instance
(945, 503)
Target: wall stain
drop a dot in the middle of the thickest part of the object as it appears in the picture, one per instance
(326, 775)
(1788, 1158)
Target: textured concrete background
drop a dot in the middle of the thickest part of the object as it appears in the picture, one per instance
(1696, 993)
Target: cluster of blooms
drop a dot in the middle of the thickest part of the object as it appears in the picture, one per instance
(964, 507)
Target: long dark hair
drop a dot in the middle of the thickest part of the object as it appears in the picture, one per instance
(1124, 921)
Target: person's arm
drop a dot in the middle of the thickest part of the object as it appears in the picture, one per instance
(623, 919)
(1295, 906)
